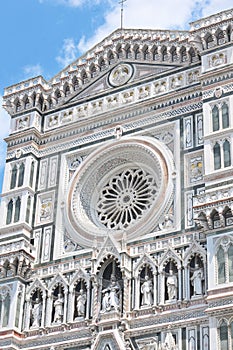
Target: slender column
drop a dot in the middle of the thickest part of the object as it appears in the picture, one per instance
(65, 306)
(180, 280)
(70, 308)
(133, 294)
(187, 282)
(49, 308)
(137, 292)
(162, 287)
(27, 313)
(88, 301)
(155, 289)
(43, 311)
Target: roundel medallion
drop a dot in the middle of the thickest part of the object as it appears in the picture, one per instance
(123, 187)
(120, 75)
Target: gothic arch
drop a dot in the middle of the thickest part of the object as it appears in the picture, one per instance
(145, 260)
(170, 255)
(56, 281)
(194, 249)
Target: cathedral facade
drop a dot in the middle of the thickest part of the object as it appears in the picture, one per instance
(117, 202)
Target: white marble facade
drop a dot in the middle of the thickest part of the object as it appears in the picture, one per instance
(117, 210)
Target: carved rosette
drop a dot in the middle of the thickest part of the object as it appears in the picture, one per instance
(125, 187)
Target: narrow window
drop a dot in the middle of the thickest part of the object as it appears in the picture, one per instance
(13, 177)
(230, 263)
(21, 174)
(217, 157)
(215, 118)
(225, 116)
(226, 153)
(17, 209)
(31, 174)
(221, 266)
(28, 209)
(224, 336)
(9, 212)
(6, 311)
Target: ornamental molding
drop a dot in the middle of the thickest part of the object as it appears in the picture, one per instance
(105, 178)
(109, 133)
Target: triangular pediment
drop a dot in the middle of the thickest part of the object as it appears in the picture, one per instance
(102, 84)
(110, 246)
(109, 340)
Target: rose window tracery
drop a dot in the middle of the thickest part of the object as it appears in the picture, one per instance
(123, 187)
(125, 198)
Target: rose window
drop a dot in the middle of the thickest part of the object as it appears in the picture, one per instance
(125, 198)
(121, 188)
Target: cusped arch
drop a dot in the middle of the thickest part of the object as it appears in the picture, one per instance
(195, 249)
(81, 274)
(170, 256)
(58, 280)
(144, 261)
(36, 285)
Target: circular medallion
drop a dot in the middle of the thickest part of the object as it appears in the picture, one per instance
(122, 188)
(120, 75)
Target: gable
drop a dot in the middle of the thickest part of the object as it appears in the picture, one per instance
(108, 82)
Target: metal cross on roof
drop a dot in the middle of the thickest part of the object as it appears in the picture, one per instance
(121, 2)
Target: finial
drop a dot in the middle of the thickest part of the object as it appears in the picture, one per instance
(121, 2)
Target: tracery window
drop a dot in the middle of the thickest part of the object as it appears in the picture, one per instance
(217, 157)
(32, 174)
(215, 118)
(223, 335)
(222, 155)
(4, 306)
(13, 177)
(226, 153)
(17, 209)
(225, 116)
(220, 117)
(28, 209)
(21, 174)
(224, 262)
(9, 212)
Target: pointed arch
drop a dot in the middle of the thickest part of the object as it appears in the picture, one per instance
(226, 153)
(14, 173)
(75, 83)
(215, 118)
(220, 38)
(21, 174)
(217, 156)
(17, 209)
(225, 115)
(173, 54)
(9, 212)
(66, 89)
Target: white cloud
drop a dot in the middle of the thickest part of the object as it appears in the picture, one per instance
(31, 71)
(215, 6)
(4, 131)
(168, 14)
(69, 52)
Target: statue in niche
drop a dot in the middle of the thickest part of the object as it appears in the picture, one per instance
(36, 313)
(81, 303)
(111, 298)
(58, 306)
(146, 290)
(172, 286)
(169, 343)
(197, 279)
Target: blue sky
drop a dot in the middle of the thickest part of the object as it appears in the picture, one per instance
(43, 36)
